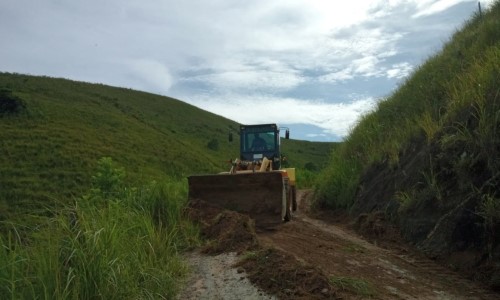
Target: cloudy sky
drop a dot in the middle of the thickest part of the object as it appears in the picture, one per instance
(311, 65)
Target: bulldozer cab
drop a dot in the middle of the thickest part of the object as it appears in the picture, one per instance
(259, 141)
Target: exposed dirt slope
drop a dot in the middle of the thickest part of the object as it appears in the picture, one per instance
(446, 211)
(308, 258)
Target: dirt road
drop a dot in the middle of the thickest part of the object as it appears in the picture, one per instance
(216, 278)
(356, 268)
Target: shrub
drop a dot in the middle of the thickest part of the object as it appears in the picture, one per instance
(213, 144)
(108, 179)
(10, 104)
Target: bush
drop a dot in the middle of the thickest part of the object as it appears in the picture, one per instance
(213, 144)
(305, 179)
(9, 104)
(310, 166)
(108, 179)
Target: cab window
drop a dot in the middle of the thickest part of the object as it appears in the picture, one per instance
(262, 141)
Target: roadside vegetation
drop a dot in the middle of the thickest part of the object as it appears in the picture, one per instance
(427, 156)
(309, 158)
(354, 285)
(114, 242)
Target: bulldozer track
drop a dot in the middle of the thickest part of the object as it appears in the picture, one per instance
(355, 267)
(392, 273)
(447, 275)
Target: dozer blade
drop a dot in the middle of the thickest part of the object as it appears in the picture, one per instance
(259, 194)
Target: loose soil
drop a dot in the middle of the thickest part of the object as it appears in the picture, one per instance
(215, 277)
(311, 258)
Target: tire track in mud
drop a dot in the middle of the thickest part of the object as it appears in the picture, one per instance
(341, 253)
(471, 290)
(335, 251)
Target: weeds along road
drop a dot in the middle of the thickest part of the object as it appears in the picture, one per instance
(357, 268)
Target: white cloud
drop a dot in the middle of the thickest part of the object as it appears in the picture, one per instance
(195, 49)
(257, 73)
(151, 75)
(342, 75)
(316, 135)
(334, 118)
(257, 79)
(430, 7)
(368, 66)
(436, 7)
(399, 70)
(360, 52)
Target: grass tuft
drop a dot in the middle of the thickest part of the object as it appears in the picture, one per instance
(354, 285)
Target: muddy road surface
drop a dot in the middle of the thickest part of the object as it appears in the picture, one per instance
(352, 267)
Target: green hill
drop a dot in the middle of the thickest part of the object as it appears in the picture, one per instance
(305, 155)
(51, 145)
(51, 141)
(93, 191)
(428, 156)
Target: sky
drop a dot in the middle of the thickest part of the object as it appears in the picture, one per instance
(314, 66)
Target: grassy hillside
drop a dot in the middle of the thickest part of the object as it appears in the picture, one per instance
(308, 158)
(51, 142)
(312, 156)
(428, 156)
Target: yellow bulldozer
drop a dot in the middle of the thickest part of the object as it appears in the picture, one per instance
(256, 184)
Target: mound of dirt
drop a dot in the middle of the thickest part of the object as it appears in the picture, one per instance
(272, 270)
(281, 274)
(202, 212)
(230, 232)
(227, 231)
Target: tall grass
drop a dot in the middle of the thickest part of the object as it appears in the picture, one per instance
(336, 185)
(306, 179)
(105, 246)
